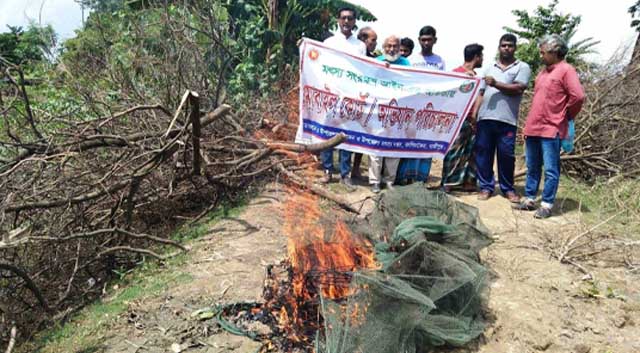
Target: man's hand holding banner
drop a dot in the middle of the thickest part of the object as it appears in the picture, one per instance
(395, 111)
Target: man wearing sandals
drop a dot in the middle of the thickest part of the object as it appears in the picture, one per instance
(500, 97)
(346, 41)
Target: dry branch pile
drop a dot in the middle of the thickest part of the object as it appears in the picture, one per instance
(96, 196)
(608, 128)
(607, 139)
(91, 190)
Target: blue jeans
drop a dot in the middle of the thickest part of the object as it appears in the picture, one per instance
(345, 161)
(542, 151)
(492, 136)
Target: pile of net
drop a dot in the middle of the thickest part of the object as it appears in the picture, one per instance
(428, 291)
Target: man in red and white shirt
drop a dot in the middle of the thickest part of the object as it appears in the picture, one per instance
(557, 98)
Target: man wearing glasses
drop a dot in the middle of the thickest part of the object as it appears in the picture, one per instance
(504, 83)
(346, 41)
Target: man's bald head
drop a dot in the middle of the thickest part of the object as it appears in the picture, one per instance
(391, 40)
(369, 37)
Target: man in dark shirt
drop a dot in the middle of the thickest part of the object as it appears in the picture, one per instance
(406, 47)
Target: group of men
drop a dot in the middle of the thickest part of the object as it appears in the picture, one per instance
(490, 129)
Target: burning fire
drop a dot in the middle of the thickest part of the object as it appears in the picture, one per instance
(322, 261)
(322, 255)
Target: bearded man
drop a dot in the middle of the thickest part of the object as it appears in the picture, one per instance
(391, 56)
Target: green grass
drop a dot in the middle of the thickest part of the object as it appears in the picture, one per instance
(603, 200)
(195, 231)
(86, 331)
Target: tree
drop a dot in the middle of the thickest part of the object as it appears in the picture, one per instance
(544, 21)
(31, 46)
(267, 32)
(25, 57)
(635, 22)
(634, 10)
(112, 5)
(249, 45)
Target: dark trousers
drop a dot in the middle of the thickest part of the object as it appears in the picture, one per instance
(493, 137)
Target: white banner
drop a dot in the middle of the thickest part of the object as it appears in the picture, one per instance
(398, 111)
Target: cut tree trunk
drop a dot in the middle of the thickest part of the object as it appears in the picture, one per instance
(635, 58)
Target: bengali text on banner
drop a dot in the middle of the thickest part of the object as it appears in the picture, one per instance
(395, 111)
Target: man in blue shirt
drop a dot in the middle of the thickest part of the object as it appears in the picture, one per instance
(391, 52)
(414, 169)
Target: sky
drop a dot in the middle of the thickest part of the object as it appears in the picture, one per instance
(64, 15)
(457, 22)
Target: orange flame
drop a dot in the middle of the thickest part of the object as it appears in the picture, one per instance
(322, 261)
(322, 254)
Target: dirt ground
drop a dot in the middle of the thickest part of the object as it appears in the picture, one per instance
(535, 303)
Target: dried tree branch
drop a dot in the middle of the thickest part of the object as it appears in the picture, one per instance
(312, 148)
(30, 284)
(568, 247)
(318, 190)
(135, 250)
(12, 339)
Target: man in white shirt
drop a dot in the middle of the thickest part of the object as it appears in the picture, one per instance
(427, 59)
(346, 41)
(370, 39)
(413, 169)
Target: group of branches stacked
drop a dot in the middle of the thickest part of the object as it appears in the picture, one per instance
(607, 142)
(95, 196)
(139, 140)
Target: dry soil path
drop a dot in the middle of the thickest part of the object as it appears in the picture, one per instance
(534, 304)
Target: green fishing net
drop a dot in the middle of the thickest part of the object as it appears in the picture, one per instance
(428, 291)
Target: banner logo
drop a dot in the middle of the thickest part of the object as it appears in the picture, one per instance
(314, 54)
(467, 87)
